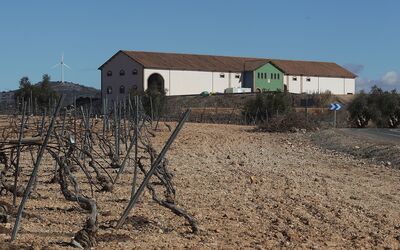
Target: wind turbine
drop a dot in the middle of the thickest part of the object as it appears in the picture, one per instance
(61, 65)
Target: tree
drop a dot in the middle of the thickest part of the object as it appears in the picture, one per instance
(24, 83)
(381, 107)
(25, 89)
(45, 92)
(41, 92)
(359, 112)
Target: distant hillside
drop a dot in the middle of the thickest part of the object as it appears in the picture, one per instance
(70, 89)
(73, 89)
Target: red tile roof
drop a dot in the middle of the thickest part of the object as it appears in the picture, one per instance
(307, 68)
(194, 62)
(188, 61)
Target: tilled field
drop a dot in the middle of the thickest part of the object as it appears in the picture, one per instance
(246, 189)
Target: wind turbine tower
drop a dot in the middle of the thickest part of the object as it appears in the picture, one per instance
(62, 65)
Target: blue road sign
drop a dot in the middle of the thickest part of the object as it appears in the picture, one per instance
(335, 106)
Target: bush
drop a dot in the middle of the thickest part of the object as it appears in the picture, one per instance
(153, 100)
(359, 112)
(268, 105)
(290, 122)
(322, 99)
(381, 107)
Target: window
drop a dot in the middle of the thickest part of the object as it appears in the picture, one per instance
(308, 79)
(122, 89)
(109, 90)
(122, 72)
(237, 76)
(134, 72)
(265, 75)
(222, 75)
(109, 73)
(262, 75)
(279, 76)
(272, 76)
(294, 78)
(258, 75)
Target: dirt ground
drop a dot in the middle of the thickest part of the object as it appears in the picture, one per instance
(247, 190)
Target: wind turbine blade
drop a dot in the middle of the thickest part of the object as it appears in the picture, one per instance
(55, 66)
(67, 66)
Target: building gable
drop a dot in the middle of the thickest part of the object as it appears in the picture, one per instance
(115, 55)
(268, 78)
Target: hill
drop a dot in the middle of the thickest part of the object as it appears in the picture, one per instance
(72, 90)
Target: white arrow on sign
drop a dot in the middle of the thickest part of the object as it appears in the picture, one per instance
(335, 106)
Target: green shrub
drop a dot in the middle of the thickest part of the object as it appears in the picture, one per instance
(267, 105)
(381, 107)
(153, 101)
(359, 112)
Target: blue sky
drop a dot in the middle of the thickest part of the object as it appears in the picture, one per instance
(362, 35)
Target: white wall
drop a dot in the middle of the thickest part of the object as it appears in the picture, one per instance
(337, 86)
(190, 82)
(294, 86)
(183, 82)
(310, 86)
(229, 81)
(350, 86)
(164, 73)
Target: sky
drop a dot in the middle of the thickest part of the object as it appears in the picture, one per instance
(361, 35)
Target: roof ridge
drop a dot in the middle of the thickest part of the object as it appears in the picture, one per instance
(291, 60)
(191, 54)
(202, 62)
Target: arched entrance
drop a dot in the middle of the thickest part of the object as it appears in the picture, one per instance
(155, 82)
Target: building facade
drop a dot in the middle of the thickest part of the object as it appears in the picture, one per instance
(186, 74)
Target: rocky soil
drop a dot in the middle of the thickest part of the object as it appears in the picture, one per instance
(246, 189)
(370, 149)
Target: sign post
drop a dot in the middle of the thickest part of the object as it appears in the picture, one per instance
(335, 107)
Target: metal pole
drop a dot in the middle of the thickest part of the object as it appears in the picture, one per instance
(116, 132)
(17, 170)
(136, 147)
(104, 118)
(334, 119)
(151, 109)
(31, 104)
(153, 168)
(35, 170)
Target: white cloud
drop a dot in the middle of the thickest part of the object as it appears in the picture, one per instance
(391, 78)
(389, 81)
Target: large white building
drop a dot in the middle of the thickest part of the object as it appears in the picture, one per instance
(316, 77)
(186, 74)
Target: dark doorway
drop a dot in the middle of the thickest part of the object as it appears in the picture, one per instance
(155, 83)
